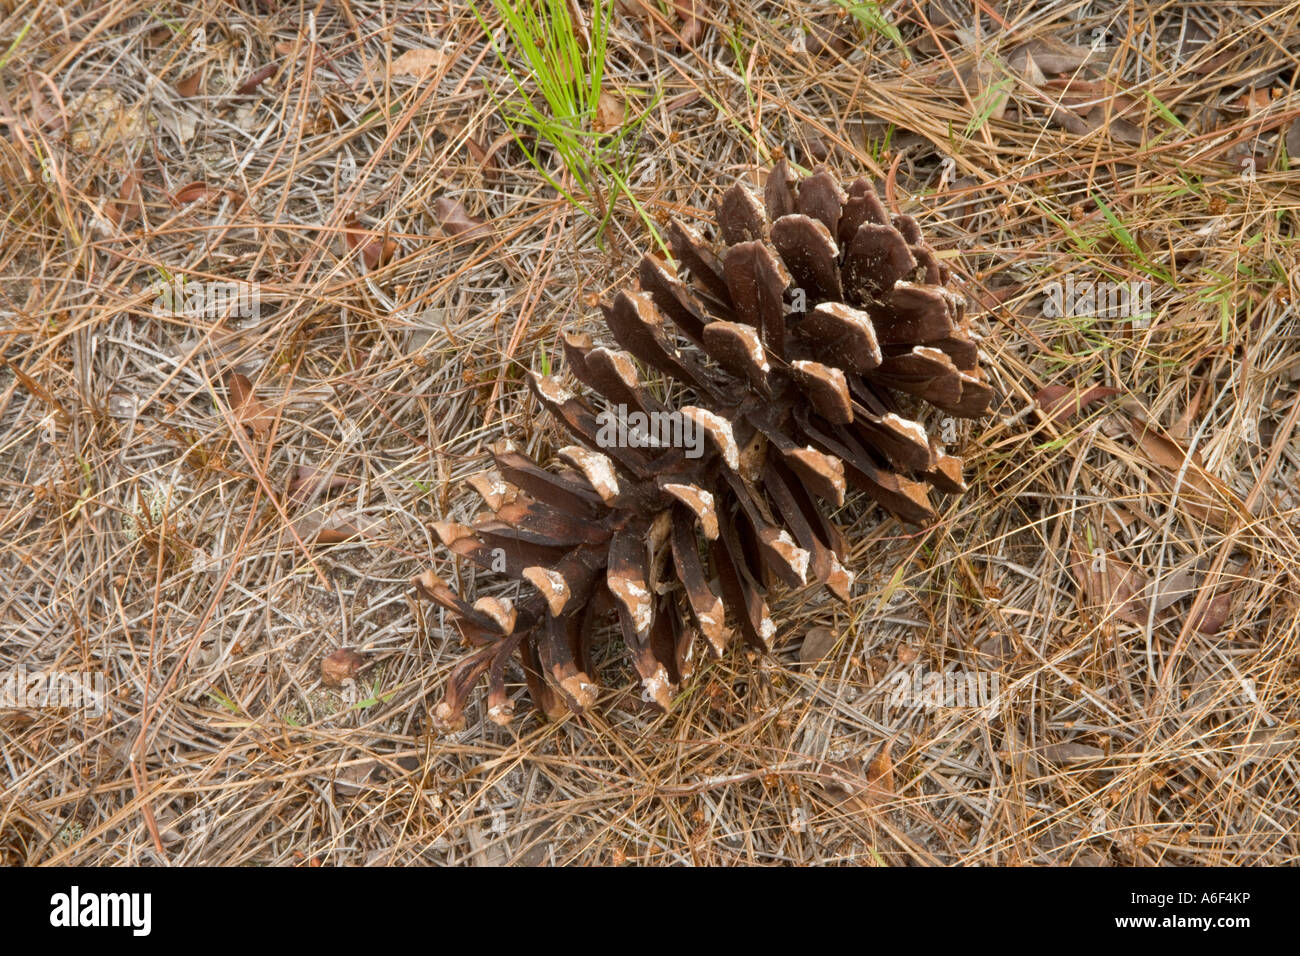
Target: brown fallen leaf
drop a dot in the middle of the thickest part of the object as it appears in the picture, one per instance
(127, 207)
(1253, 101)
(1051, 55)
(1198, 491)
(257, 78)
(1071, 752)
(1070, 121)
(1084, 96)
(456, 222)
(1060, 403)
(201, 192)
(337, 534)
(376, 251)
(880, 771)
(37, 389)
(1215, 613)
(683, 101)
(832, 36)
(379, 253)
(246, 406)
(692, 24)
(1218, 608)
(1201, 65)
(1293, 144)
(815, 143)
(1031, 72)
(817, 646)
(1117, 517)
(478, 151)
(325, 528)
(418, 62)
(336, 524)
(993, 297)
(858, 792)
(1109, 585)
(1182, 428)
(1172, 588)
(308, 479)
(342, 665)
(1119, 128)
(49, 115)
(191, 84)
(1273, 745)
(610, 112)
(985, 83)
(578, 17)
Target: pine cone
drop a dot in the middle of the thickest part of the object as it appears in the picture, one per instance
(807, 335)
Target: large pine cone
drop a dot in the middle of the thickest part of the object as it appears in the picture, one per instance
(805, 322)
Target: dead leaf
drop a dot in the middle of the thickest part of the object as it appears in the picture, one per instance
(1172, 588)
(190, 85)
(337, 534)
(1293, 144)
(814, 142)
(456, 222)
(1072, 753)
(247, 408)
(1198, 491)
(683, 101)
(988, 80)
(1163, 451)
(1253, 101)
(376, 251)
(1218, 608)
(880, 772)
(1031, 72)
(832, 35)
(201, 192)
(478, 151)
(1051, 55)
(1117, 517)
(333, 526)
(258, 77)
(1109, 585)
(1123, 131)
(992, 298)
(1060, 403)
(692, 25)
(1182, 426)
(862, 793)
(127, 207)
(418, 62)
(996, 650)
(610, 112)
(1215, 614)
(308, 479)
(1084, 96)
(48, 115)
(1268, 744)
(1119, 128)
(37, 389)
(578, 17)
(817, 645)
(1070, 121)
(342, 665)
